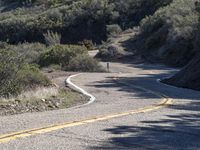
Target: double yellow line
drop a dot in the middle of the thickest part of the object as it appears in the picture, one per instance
(31, 132)
(26, 133)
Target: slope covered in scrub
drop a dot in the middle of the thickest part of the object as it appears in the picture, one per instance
(189, 76)
(38, 30)
(74, 20)
(168, 35)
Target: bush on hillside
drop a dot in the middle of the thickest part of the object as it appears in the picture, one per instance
(131, 12)
(52, 38)
(110, 52)
(113, 29)
(26, 2)
(84, 15)
(168, 35)
(17, 76)
(189, 76)
(84, 63)
(60, 54)
(29, 51)
(88, 44)
(81, 19)
(69, 57)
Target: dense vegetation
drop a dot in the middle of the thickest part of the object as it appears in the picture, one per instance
(74, 20)
(170, 33)
(17, 75)
(170, 36)
(33, 34)
(189, 76)
(19, 67)
(69, 57)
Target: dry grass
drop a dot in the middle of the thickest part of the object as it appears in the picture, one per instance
(39, 93)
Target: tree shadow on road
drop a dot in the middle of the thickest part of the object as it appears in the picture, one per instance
(171, 132)
(178, 128)
(177, 131)
(144, 85)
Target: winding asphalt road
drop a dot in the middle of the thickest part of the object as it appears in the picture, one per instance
(131, 111)
(127, 87)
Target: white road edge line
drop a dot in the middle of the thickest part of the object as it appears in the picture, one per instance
(80, 90)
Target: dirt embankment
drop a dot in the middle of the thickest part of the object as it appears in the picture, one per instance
(188, 77)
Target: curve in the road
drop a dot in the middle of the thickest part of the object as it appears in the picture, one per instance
(21, 134)
(78, 89)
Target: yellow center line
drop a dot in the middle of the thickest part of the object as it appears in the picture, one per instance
(30, 132)
(26, 133)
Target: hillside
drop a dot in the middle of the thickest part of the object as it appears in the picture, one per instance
(189, 76)
(56, 34)
(74, 20)
(100, 74)
(37, 34)
(170, 36)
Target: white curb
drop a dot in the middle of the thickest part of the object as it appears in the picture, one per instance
(80, 90)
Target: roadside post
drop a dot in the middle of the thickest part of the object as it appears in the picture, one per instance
(108, 66)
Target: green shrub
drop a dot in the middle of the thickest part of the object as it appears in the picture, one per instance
(88, 44)
(83, 63)
(18, 76)
(29, 51)
(25, 2)
(113, 29)
(30, 77)
(131, 12)
(60, 54)
(175, 16)
(69, 58)
(110, 52)
(52, 38)
(54, 67)
(168, 34)
(88, 18)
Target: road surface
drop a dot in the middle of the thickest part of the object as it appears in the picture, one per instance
(128, 87)
(130, 111)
